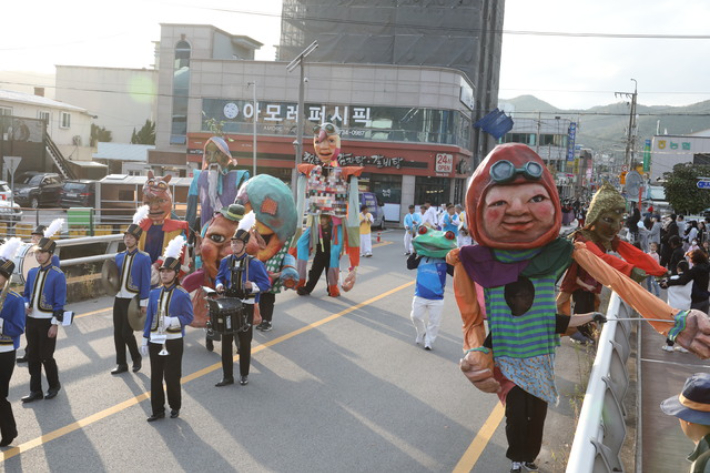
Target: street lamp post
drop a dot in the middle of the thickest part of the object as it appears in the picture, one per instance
(254, 116)
(298, 61)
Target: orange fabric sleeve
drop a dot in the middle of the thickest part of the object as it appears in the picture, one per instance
(474, 332)
(305, 168)
(616, 263)
(631, 292)
(348, 171)
(640, 259)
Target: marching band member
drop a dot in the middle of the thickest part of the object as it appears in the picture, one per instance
(253, 281)
(45, 295)
(35, 236)
(134, 274)
(12, 324)
(169, 310)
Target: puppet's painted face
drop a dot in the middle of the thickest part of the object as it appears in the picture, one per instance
(214, 158)
(608, 224)
(215, 243)
(326, 146)
(518, 213)
(157, 195)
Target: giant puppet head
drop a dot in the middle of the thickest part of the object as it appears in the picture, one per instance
(275, 214)
(216, 156)
(157, 195)
(326, 143)
(215, 244)
(605, 216)
(512, 200)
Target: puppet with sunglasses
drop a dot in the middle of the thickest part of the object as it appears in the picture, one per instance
(514, 215)
(328, 190)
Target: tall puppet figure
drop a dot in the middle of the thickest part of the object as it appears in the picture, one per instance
(215, 185)
(600, 235)
(326, 189)
(514, 215)
(159, 228)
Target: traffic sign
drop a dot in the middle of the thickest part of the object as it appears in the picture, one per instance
(11, 163)
(703, 184)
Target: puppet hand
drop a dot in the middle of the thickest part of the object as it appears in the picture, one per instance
(638, 274)
(599, 318)
(692, 331)
(478, 368)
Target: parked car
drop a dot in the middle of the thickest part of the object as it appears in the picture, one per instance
(10, 214)
(5, 191)
(33, 189)
(375, 207)
(79, 193)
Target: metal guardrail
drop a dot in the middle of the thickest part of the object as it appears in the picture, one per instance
(601, 429)
(111, 249)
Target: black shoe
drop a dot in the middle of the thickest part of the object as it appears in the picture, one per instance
(266, 326)
(209, 344)
(427, 347)
(22, 359)
(530, 466)
(137, 365)
(302, 291)
(8, 440)
(225, 382)
(155, 417)
(244, 381)
(174, 414)
(52, 392)
(119, 369)
(34, 396)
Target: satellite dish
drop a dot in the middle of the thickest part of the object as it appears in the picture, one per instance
(633, 184)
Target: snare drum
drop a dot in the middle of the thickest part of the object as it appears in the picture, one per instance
(227, 316)
(24, 260)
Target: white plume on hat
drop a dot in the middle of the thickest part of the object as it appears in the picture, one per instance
(248, 221)
(54, 227)
(174, 248)
(141, 214)
(9, 248)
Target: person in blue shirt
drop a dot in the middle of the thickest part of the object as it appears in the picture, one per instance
(12, 325)
(450, 221)
(254, 280)
(169, 311)
(45, 295)
(412, 221)
(134, 274)
(431, 247)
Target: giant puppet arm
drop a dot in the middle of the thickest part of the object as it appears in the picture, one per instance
(477, 363)
(691, 329)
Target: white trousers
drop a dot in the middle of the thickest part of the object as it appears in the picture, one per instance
(366, 244)
(408, 237)
(420, 307)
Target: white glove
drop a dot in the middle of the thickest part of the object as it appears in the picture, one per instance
(172, 322)
(144, 347)
(2, 322)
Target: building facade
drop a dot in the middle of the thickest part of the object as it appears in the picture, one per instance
(408, 126)
(669, 150)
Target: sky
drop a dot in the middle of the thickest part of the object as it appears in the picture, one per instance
(568, 72)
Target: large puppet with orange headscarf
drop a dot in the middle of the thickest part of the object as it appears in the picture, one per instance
(327, 189)
(513, 212)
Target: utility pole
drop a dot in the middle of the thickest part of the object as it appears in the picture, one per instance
(630, 140)
(253, 86)
(298, 61)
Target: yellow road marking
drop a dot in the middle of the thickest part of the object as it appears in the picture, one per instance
(36, 442)
(94, 312)
(473, 452)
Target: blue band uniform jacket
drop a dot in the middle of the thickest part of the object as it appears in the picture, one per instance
(52, 294)
(177, 303)
(13, 316)
(256, 273)
(137, 264)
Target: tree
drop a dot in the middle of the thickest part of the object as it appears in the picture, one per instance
(100, 133)
(682, 191)
(146, 135)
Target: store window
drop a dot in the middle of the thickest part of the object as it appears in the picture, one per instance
(181, 91)
(433, 189)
